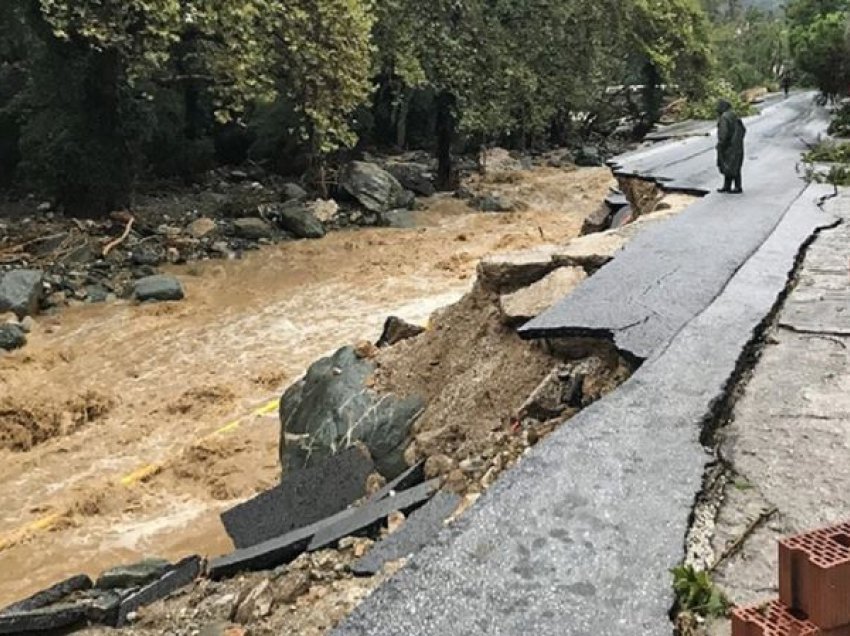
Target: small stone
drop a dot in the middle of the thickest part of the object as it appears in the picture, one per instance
(438, 465)
(397, 330)
(297, 219)
(12, 337)
(146, 255)
(374, 483)
(28, 324)
(293, 192)
(471, 465)
(395, 521)
(411, 454)
(222, 629)
(252, 229)
(324, 210)
(45, 207)
(173, 256)
(456, 482)
(253, 604)
(365, 350)
(202, 227)
(158, 288)
(290, 587)
(494, 203)
(21, 291)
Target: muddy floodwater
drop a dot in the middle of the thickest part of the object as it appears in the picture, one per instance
(142, 423)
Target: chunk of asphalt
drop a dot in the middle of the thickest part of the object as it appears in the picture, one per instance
(367, 518)
(275, 552)
(124, 577)
(303, 497)
(413, 476)
(43, 619)
(417, 532)
(103, 606)
(183, 574)
(51, 595)
(616, 201)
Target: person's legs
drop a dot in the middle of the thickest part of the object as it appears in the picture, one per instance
(727, 184)
(736, 184)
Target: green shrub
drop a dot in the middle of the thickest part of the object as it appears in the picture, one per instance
(829, 152)
(707, 107)
(840, 125)
(697, 594)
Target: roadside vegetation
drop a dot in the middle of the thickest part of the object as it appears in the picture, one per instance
(99, 97)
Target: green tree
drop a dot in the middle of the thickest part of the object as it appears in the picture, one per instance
(818, 34)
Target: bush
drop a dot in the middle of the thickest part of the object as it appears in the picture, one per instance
(707, 107)
(840, 125)
(829, 152)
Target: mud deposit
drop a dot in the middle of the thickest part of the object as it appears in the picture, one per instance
(109, 392)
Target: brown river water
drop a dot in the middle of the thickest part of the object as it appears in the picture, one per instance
(126, 387)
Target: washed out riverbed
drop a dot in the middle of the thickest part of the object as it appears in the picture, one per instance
(136, 453)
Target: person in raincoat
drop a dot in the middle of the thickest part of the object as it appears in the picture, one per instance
(730, 147)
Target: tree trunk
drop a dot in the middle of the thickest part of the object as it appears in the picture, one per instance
(445, 137)
(401, 119)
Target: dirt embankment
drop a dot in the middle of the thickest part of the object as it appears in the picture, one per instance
(175, 377)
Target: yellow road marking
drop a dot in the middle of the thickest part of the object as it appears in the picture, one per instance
(139, 475)
(22, 534)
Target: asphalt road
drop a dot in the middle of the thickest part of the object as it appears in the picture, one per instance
(579, 538)
(671, 272)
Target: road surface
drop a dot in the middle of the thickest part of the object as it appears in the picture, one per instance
(579, 539)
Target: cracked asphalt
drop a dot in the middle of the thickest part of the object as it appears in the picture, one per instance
(787, 442)
(672, 271)
(579, 538)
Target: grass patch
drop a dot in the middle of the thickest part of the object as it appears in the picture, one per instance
(696, 593)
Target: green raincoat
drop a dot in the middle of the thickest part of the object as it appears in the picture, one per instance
(730, 142)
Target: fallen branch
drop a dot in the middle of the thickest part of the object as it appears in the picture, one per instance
(113, 244)
(739, 542)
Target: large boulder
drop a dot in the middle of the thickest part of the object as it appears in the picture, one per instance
(375, 188)
(416, 177)
(298, 220)
(332, 408)
(158, 288)
(21, 291)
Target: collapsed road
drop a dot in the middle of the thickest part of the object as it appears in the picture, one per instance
(581, 536)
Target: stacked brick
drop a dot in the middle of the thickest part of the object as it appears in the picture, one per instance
(814, 589)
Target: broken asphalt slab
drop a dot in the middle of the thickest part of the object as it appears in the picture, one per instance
(418, 530)
(275, 552)
(580, 537)
(365, 519)
(302, 498)
(181, 575)
(45, 619)
(51, 595)
(672, 271)
(413, 476)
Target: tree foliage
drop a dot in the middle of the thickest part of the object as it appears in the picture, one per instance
(818, 34)
(148, 84)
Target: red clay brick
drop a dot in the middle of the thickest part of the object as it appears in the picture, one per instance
(814, 575)
(775, 619)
